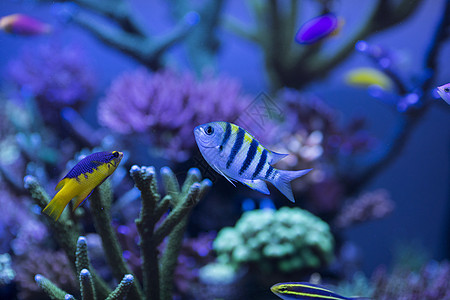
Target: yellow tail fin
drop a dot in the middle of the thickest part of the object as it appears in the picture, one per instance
(55, 208)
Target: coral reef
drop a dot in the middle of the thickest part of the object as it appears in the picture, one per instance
(52, 264)
(282, 241)
(55, 76)
(157, 281)
(369, 206)
(166, 106)
(430, 283)
(291, 65)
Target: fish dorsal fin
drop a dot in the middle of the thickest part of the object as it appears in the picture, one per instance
(275, 157)
(258, 185)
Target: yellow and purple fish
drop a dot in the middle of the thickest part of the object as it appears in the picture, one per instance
(237, 155)
(318, 28)
(23, 25)
(306, 291)
(444, 92)
(84, 177)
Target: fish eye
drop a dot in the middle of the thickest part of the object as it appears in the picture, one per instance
(115, 154)
(209, 130)
(447, 90)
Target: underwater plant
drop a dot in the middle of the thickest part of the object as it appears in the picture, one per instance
(276, 241)
(157, 282)
(166, 106)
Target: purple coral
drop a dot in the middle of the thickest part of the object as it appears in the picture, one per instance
(167, 106)
(431, 283)
(55, 76)
(369, 206)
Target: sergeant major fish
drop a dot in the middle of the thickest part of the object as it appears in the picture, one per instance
(237, 155)
(81, 180)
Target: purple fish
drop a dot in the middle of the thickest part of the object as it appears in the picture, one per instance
(23, 25)
(317, 28)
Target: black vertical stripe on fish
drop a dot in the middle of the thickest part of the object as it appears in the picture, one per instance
(226, 136)
(269, 170)
(250, 156)
(261, 163)
(236, 147)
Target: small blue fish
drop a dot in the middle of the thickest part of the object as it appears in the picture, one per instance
(305, 291)
(318, 28)
(84, 177)
(444, 92)
(237, 155)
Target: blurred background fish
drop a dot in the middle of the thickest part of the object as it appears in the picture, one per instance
(23, 25)
(367, 77)
(79, 183)
(319, 28)
(444, 92)
(304, 291)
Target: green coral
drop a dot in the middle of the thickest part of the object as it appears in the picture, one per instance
(284, 241)
(157, 274)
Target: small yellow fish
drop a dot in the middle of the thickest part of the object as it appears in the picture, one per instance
(84, 177)
(365, 77)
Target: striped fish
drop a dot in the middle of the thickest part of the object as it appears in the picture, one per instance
(305, 291)
(237, 155)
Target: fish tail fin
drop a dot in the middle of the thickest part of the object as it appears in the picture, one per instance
(283, 181)
(55, 207)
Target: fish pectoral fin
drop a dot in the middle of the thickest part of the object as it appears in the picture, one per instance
(80, 198)
(258, 185)
(221, 173)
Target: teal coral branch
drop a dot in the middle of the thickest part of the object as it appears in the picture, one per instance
(185, 200)
(86, 281)
(145, 179)
(122, 289)
(82, 262)
(158, 277)
(87, 285)
(49, 288)
(100, 205)
(65, 231)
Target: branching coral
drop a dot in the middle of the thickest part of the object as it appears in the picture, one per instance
(157, 275)
(283, 241)
(167, 106)
(291, 65)
(124, 32)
